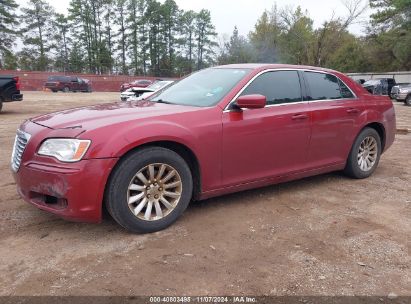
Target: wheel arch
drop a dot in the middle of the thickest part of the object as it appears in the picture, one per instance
(379, 127)
(185, 152)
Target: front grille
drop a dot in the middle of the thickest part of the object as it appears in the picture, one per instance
(20, 143)
(395, 90)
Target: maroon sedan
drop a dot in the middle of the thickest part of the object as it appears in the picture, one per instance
(143, 83)
(218, 131)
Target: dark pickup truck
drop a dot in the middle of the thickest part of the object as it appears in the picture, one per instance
(9, 89)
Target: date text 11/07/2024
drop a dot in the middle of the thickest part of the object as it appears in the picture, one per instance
(203, 299)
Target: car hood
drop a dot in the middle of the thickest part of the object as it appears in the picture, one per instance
(92, 117)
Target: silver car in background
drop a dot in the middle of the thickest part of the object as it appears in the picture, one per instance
(134, 94)
(402, 92)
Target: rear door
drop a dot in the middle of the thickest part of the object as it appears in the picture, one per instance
(75, 85)
(335, 112)
(272, 141)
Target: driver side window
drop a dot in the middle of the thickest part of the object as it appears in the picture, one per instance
(278, 87)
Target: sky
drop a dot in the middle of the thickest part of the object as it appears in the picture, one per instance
(244, 13)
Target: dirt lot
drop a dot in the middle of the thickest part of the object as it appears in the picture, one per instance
(326, 235)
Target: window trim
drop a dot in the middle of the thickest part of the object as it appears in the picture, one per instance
(308, 88)
(300, 81)
(304, 88)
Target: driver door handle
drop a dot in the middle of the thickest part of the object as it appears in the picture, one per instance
(299, 117)
(353, 111)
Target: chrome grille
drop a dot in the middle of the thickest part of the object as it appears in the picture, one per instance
(20, 143)
(395, 90)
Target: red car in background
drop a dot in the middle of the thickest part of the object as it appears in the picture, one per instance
(218, 131)
(142, 83)
(68, 84)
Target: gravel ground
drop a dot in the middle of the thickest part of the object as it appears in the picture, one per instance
(325, 235)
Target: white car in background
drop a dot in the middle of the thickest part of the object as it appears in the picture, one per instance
(134, 94)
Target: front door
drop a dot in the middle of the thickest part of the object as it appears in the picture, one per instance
(268, 142)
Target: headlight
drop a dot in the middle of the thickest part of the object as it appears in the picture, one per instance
(65, 149)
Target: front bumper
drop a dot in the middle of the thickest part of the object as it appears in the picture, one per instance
(17, 97)
(72, 191)
(401, 96)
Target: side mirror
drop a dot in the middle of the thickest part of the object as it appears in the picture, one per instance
(255, 101)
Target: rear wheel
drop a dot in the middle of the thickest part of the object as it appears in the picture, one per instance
(149, 190)
(365, 154)
(1, 105)
(408, 101)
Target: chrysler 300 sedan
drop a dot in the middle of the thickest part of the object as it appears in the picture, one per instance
(220, 130)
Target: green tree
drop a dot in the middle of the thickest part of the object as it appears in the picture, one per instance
(76, 59)
(122, 42)
(62, 42)
(134, 19)
(38, 32)
(10, 61)
(188, 40)
(297, 38)
(89, 23)
(390, 37)
(351, 56)
(205, 36)
(392, 13)
(237, 50)
(266, 37)
(171, 20)
(8, 32)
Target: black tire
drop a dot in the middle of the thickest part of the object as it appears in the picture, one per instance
(54, 91)
(66, 90)
(1, 105)
(408, 101)
(352, 167)
(116, 194)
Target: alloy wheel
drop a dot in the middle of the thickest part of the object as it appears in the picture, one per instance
(367, 154)
(154, 192)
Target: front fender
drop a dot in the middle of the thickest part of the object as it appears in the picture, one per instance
(202, 134)
(123, 139)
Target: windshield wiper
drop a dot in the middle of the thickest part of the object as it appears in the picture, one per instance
(162, 101)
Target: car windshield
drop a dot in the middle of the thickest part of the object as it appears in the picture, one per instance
(141, 82)
(372, 82)
(158, 85)
(202, 89)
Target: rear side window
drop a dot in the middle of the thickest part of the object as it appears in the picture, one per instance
(57, 78)
(326, 86)
(322, 86)
(345, 91)
(279, 87)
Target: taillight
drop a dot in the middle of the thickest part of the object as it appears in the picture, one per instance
(18, 85)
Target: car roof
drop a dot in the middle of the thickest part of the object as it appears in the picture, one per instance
(266, 66)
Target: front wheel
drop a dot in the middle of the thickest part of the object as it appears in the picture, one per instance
(365, 154)
(149, 190)
(408, 101)
(66, 90)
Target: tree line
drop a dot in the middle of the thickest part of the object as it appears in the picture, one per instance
(287, 35)
(136, 37)
(148, 37)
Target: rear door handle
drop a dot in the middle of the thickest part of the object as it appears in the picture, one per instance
(299, 117)
(353, 111)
